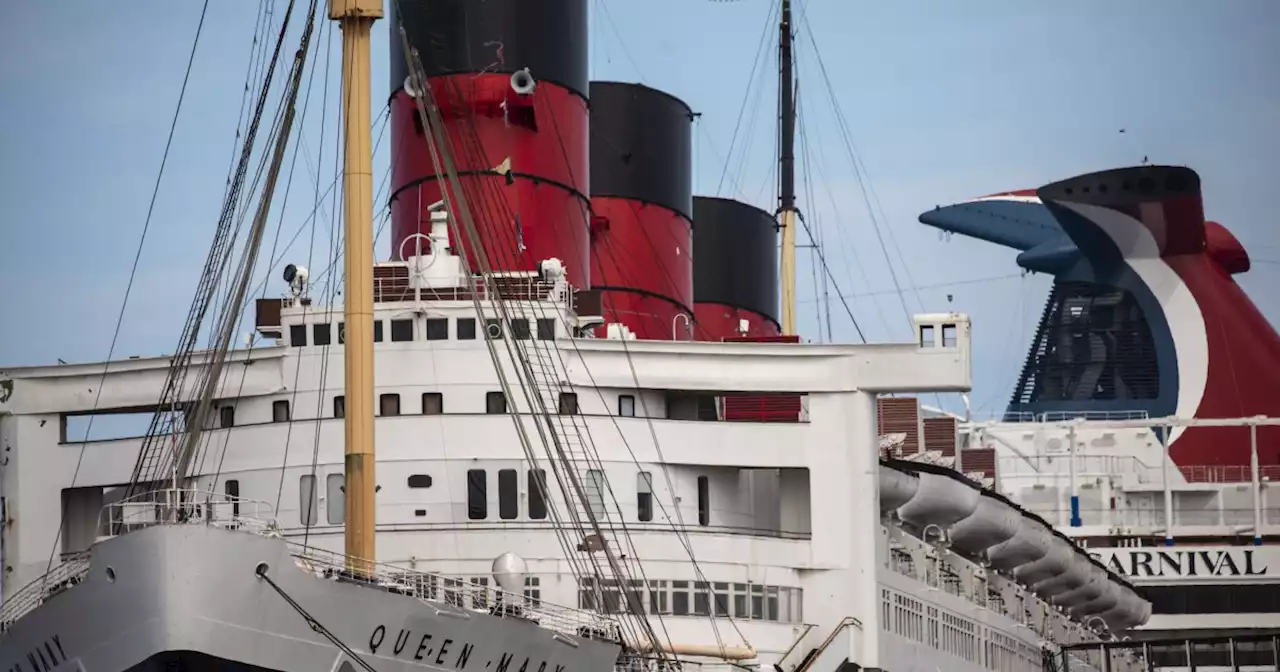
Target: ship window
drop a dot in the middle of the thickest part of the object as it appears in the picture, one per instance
(704, 501)
(520, 328)
(466, 328)
(232, 487)
(644, 496)
(401, 330)
(335, 498)
(679, 598)
(658, 597)
(308, 500)
(701, 599)
(437, 328)
(432, 403)
(546, 329)
(568, 403)
(280, 410)
(320, 334)
(477, 494)
(419, 481)
(740, 600)
(493, 328)
(297, 335)
(626, 405)
(342, 333)
(508, 494)
(389, 403)
(595, 491)
(377, 331)
(226, 416)
(495, 403)
(339, 406)
(720, 599)
(948, 335)
(537, 494)
(757, 601)
(533, 591)
(420, 512)
(926, 335)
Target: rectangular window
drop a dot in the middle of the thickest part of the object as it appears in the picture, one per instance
(320, 334)
(437, 328)
(720, 599)
(401, 330)
(533, 591)
(342, 333)
(520, 328)
(626, 405)
(644, 496)
(377, 331)
(948, 335)
(297, 335)
(308, 500)
(595, 491)
(335, 498)
(926, 336)
(568, 403)
(537, 494)
(226, 417)
(432, 403)
(679, 598)
(546, 329)
(389, 404)
(280, 410)
(704, 501)
(466, 328)
(508, 494)
(477, 494)
(493, 328)
(339, 406)
(701, 599)
(495, 403)
(233, 494)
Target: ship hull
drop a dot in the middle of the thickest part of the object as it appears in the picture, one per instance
(193, 594)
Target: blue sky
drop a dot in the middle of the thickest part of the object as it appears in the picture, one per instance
(943, 100)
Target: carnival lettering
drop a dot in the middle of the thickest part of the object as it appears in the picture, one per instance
(1183, 563)
(44, 657)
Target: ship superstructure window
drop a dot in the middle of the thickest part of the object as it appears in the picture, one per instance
(466, 328)
(339, 406)
(948, 335)
(546, 329)
(644, 496)
(493, 328)
(297, 335)
(419, 481)
(477, 494)
(779, 604)
(568, 403)
(537, 482)
(626, 405)
(389, 404)
(437, 328)
(377, 331)
(595, 487)
(335, 498)
(432, 403)
(533, 591)
(342, 333)
(508, 494)
(520, 328)
(495, 403)
(321, 334)
(280, 410)
(308, 500)
(926, 336)
(232, 488)
(704, 501)
(401, 330)
(226, 416)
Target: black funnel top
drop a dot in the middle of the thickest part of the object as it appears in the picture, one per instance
(641, 146)
(735, 255)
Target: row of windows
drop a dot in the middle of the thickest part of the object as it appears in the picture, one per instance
(595, 486)
(432, 404)
(433, 329)
(743, 601)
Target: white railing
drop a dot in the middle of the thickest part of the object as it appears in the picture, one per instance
(185, 507)
(70, 572)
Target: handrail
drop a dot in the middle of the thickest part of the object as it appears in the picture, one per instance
(808, 627)
(844, 623)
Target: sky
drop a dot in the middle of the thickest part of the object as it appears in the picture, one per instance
(943, 101)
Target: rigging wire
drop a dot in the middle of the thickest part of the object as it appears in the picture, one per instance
(746, 95)
(315, 624)
(133, 271)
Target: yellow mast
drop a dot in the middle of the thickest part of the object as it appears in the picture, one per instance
(356, 18)
(787, 170)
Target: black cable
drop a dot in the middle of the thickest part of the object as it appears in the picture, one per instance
(133, 272)
(317, 626)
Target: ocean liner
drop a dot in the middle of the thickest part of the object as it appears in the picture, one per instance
(664, 453)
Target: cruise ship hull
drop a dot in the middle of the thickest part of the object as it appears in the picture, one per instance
(193, 594)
